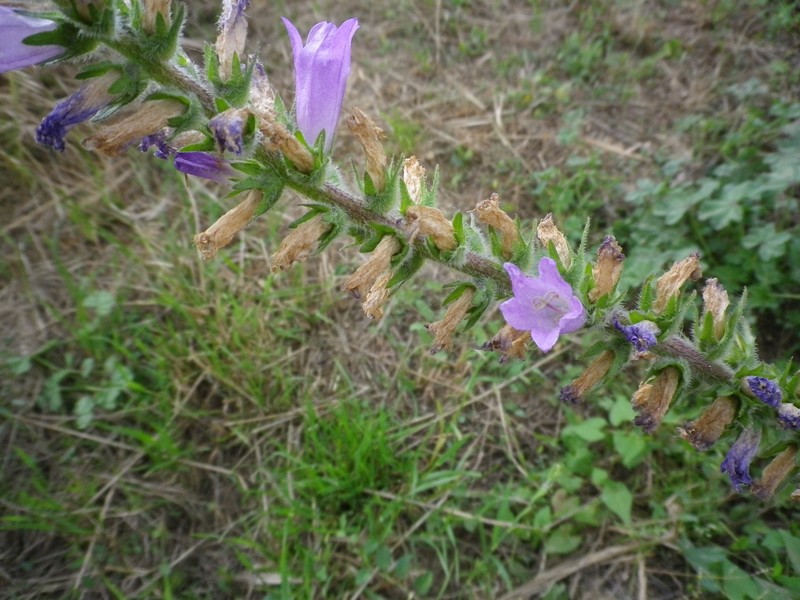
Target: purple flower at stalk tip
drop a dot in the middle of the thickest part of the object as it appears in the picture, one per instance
(741, 454)
(321, 68)
(642, 336)
(789, 415)
(203, 164)
(159, 141)
(79, 107)
(228, 130)
(544, 305)
(14, 52)
(765, 390)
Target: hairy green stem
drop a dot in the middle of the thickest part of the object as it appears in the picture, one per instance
(356, 209)
(680, 347)
(481, 267)
(359, 212)
(166, 73)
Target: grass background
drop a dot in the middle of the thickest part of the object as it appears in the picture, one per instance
(173, 428)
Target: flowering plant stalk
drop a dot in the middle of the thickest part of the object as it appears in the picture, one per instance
(223, 120)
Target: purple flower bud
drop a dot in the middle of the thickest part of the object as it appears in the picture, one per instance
(737, 461)
(79, 107)
(203, 164)
(789, 415)
(544, 305)
(765, 390)
(321, 69)
(228, 130)
(14, 52)
(159, 140)
(641, 336)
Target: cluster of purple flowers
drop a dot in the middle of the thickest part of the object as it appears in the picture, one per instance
(322, 67)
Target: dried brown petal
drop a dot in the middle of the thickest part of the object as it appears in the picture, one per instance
(377, 263)
(655, 405)
(715, 303)
(509, 342)
(443, 330)
(575, 391)
(608, 268)
(228, 225)
(669, 284)
(262, 94)
(431, 222)
(641, 396)
(703, 432)
(489, 213)
(185, 138)
(277, 138)
(370, 136)
(414, 178)
(377, 296)
(232, 37)
(775, 472)
(151, 9)
(115, 138)
(547, 232)
(299, 244)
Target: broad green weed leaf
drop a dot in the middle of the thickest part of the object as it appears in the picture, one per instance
(619, 500)
(590, 430)
(621, 412)
(631, 446)
(792, 544)
(101, 301)
(562, 541)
